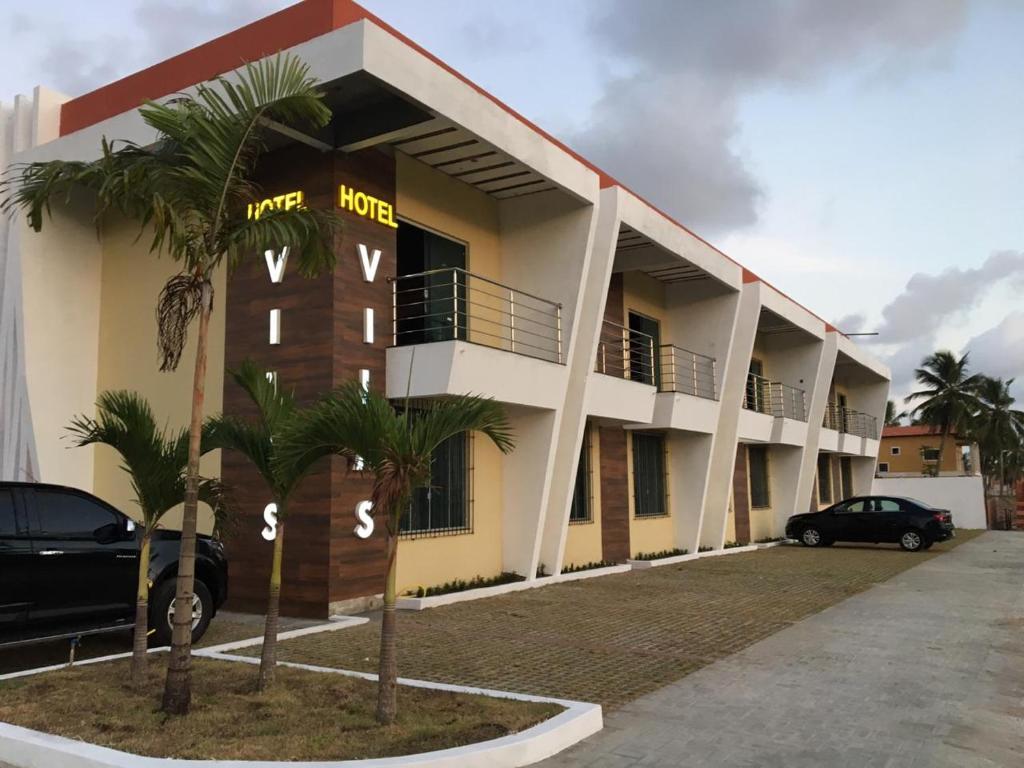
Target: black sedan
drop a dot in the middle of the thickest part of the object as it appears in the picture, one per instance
(912, 524)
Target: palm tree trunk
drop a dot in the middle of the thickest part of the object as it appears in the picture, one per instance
(141, 616)
(268, 658)
(178, 686)
(942, 447)
(387, 673)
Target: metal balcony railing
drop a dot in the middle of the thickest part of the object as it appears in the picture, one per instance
(688, 372)
(775, 398)
(625, 354)
(850, 422)
(453, 304)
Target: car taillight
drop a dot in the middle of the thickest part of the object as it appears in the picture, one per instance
(941, 517)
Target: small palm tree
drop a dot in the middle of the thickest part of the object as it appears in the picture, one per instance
(892, 417)
(395, 445)
(155, 460)
(948, 395)
(259, 440)
(190, 190)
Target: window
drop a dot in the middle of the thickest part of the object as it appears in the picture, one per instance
(70, 516)
(824, 478)
(930, 454)
(895, 450)
(432, 302)
(648, 475)
(443, 506)
(580, 511)
(856, 506)
(883, 466)
(886, 505)
(8, 527)
(757, 463)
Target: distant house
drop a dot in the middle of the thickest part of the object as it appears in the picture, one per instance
(914, 451)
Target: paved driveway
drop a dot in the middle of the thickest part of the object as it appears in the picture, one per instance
(926, 669)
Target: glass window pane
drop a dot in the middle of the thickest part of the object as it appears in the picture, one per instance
(67, 515)
(7, 523)
(824, 479)
(443, 505)
(648, 475)
(760, 496)
(580, 510)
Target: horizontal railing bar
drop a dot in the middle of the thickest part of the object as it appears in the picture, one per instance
(446, 270)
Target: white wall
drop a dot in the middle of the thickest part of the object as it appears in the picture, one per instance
(963, 496)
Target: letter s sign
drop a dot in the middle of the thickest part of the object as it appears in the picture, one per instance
(270, 518)
(365, 527)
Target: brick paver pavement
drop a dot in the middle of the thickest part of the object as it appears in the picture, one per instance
(612, 639)
(923, 671)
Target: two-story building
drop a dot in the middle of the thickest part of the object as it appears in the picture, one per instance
(663, 397)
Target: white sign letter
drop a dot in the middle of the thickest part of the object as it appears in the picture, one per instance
(369, 262)
(275, 264)
(365, 527)
(368, 326)
(275, 326)
(270, 518)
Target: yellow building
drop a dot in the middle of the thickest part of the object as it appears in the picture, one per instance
(914, 451)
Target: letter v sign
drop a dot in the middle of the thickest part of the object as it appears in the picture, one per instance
(275, 264)
(369, 262)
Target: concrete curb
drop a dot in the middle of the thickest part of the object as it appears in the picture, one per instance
(641, 565)
(25, 748)
(422, 603)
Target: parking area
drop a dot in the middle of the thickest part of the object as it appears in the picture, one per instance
(615, 638)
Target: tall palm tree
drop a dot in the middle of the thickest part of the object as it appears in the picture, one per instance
(948, 395)
(259, 440)
(155, 460)
(997, 425)
(190, 189)
(395, 445)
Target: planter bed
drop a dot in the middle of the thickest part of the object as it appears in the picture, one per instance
(308, 716)
(642, 564)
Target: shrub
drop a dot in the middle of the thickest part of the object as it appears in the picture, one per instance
(768, 540)
(662, 554)
(586, 566)
(461, 585)
(703, 548)
(734, 544)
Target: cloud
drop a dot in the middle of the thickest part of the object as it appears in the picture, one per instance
(928, 300)
(75, 64)
(852, 323)
(999, 351)
(669, 126)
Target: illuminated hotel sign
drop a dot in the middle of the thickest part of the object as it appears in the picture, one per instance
(367, 206)
(284, 202)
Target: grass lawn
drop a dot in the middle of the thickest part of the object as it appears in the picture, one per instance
(306, 716)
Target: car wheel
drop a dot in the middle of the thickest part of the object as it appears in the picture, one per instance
(912, 541)
(161, 611)
(811, 537)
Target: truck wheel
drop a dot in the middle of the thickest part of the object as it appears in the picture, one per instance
(161, 611)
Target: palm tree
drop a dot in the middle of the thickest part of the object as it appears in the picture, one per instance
(948, 395)
(997, 426)
(259, 441)
(892, 418)
(190, 189)
(395, 445)
(155, 460)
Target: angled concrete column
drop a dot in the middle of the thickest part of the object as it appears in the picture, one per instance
(690, 459)
(734, 369)
(582, 346)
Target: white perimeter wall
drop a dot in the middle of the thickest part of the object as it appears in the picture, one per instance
(963, 496)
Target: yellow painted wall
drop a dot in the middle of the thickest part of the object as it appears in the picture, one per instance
(583, 540)
(822, 503)
(435, 201)
(431, 561)
(649, 534)
(131, 280)
(761, 518)
(730, 520)
(910, 447)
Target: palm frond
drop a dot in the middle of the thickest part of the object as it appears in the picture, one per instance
(180, 302)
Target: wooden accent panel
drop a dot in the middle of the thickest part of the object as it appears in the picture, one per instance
(614, 494)
(614, 307)
(321, 346)
(837, 479)
(741, 494)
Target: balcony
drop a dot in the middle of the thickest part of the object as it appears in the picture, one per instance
(625, 390)
(775, 398)
(851, 422)
(687, 372)
(456, 305)
(466, 326)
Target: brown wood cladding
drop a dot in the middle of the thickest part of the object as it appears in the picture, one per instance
(741, 495)
(614, 494)
(614, 306)
(321, 347)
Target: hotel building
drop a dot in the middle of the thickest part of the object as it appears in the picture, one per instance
(663, 397)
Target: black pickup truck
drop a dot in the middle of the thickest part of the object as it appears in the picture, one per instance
(69, 566)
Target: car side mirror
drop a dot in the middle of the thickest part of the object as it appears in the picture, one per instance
(129, 528)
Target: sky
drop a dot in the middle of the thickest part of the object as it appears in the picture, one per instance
(866, 158)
